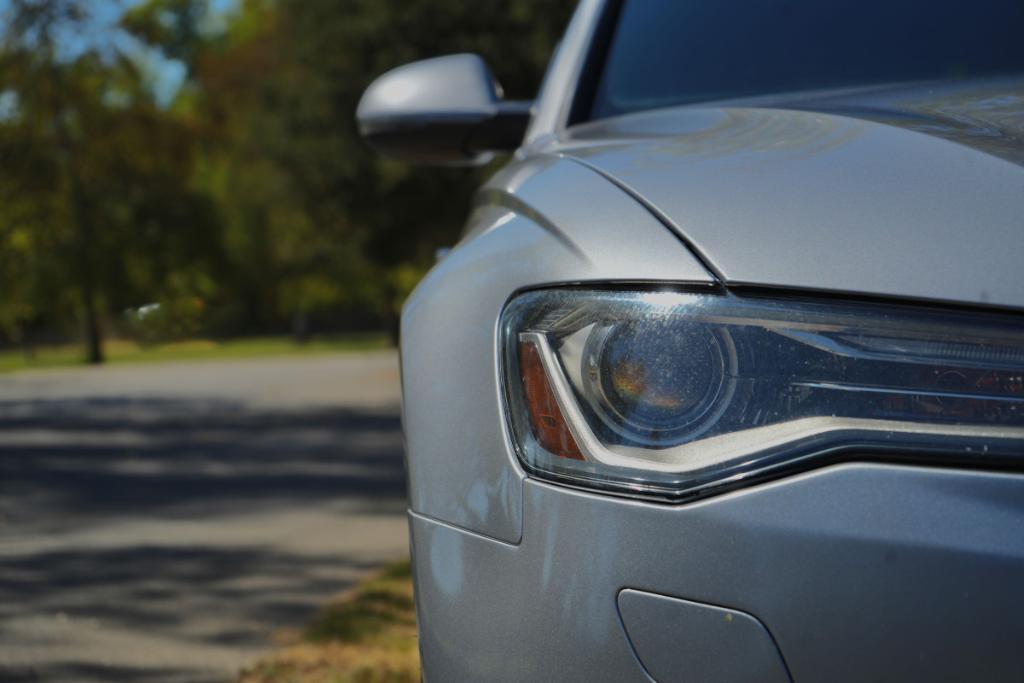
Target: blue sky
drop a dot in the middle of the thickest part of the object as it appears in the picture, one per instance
(167, 74)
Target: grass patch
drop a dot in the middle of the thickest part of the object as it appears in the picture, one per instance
(125, 351)
(366, 636)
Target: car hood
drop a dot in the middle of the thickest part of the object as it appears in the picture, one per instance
(914, 192)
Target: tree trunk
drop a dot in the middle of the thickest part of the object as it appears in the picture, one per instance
(82, 217)
(93, 336)
(28, 351)
(83, 221)
(300, 326)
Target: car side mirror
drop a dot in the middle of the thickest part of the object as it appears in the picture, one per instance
(446, 110)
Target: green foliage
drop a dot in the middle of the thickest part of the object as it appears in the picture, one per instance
(127, 351)
(98, 211)
(251, 191)
(175, 26)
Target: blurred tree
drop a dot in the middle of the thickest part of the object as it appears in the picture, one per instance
(288, 80)
(97, 210)
(247, 188)
(293, 254)
(405, 212)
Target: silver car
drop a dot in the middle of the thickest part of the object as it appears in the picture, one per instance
(725, 380)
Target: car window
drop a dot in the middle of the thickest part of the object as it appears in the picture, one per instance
(669, 52)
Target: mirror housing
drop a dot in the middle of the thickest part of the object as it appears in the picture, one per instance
(445, 111)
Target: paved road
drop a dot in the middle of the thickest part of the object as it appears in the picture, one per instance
(157, 523)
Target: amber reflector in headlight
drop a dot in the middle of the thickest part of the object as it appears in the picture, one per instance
(671, 394)
(548, 426)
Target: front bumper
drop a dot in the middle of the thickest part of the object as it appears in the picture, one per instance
(859, 572)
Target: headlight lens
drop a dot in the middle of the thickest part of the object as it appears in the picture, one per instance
(672, 393)
(654, 380)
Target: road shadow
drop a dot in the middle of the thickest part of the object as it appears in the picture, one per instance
(164, 539)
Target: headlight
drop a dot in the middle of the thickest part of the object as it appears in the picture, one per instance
(671, 393)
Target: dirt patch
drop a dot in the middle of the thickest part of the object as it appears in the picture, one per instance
(367, 635)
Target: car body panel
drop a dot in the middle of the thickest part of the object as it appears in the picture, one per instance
(858, 571)
(984, 114)
(930, 209)
(861, 572)
(678, 640)
(523, 233)
(554, 101)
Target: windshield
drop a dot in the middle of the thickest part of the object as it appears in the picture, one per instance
(670, 52)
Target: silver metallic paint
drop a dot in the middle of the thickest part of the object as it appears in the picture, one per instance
(861, 572)
(462, 467)
(458, 85)
(678, 640)
(984, 114)
(560, 83)
(816, 201)
(442, 111)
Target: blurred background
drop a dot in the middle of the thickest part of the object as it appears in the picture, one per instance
(177, 169)
(201, 272)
